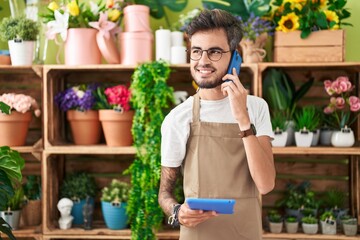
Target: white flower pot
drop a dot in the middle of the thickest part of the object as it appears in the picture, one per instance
(291, 227)
(276, 227)
(343, 138)
(303, 138)
(328, 228)
(21, 52)
(280, 139)
(310, 228)
(325, 137)
(316, 137)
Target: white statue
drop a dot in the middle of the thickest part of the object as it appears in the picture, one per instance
(65, 205)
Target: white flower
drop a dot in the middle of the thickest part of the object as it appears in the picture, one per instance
(59, 25)
(94, 8)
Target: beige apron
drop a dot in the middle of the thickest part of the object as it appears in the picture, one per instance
(215, 166)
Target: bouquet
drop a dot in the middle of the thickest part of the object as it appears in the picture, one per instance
(116, 97)
(79, 98)
(343, 107)
(309, 15)
(20, 103)
(255, 26)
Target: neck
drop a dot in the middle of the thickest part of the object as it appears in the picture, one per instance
(211, 94)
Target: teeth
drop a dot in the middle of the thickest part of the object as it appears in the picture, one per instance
(204, 71)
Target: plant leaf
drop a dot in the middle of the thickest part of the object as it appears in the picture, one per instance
(5, 108)
(11, 163)
(5, 228)
(157, 7)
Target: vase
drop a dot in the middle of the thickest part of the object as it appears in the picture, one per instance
(81, 47)
(21, 52)
(85, 126)
(117, 127)
(14, 128)
(135, 47)
(343, 138)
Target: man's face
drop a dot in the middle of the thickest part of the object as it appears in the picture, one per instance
(207, 73)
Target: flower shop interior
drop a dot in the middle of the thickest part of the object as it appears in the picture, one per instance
(83, 158)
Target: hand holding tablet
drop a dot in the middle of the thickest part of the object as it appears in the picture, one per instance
(222, 206)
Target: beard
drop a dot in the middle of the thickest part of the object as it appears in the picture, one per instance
(207, 83)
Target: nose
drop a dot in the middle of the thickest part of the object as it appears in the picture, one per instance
(204, 57)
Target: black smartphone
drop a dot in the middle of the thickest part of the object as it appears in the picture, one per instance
(235, 62)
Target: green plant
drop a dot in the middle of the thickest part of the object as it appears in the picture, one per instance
(78, 185)
(274, 216)
(278, 121)
(347, 219)
(280, 93)
(117, 191)
(18, 28)
(291, 219)
(334, 198)
(307, 118)
(308, 16)
(16, 201)
(151, 96)
(32, 187)
(327, 215)
(309, 220)
(242, 8)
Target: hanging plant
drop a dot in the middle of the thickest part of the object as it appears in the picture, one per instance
(151, 96)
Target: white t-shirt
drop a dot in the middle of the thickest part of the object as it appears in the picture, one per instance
(175, 128)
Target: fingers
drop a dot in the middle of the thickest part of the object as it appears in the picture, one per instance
(191, 218)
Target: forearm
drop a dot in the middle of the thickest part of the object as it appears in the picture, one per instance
(167, 185)
(261, 162)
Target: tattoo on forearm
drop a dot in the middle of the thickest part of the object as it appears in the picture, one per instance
(167, 186)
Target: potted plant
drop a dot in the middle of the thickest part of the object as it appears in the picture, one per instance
(349, 224)
(115, 114)
(307, 120)
(328, 223)
(31, 211)
(78, 187)
(275, 221)
(310, 224)
(291, 224)
(334, 200)
(12, 211)
(342, 110)
(15, 123)
(279, 125)
(114, 203)
(79, 104)
(21, 34)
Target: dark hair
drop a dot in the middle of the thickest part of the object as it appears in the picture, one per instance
(217, 19)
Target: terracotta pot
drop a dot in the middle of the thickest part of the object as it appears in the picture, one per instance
(117, 127)
(81, 47)
(85, 126)
(31, 213)
(14, 128)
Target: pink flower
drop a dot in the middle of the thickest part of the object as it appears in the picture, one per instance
(329, 109)
(119, 97)
(340, 103)
(354, 103)
(20, 103)
(344, 84)
(103, 25)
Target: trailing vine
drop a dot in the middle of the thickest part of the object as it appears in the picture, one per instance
(151, 96)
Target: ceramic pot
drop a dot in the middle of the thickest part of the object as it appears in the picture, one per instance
(303, 138)
(291, 227)
(12, 218)
(328, 228)
(310, 228)
(276, 227)
(350, 227)
(81, 47)
(85, 126)
(343, 138)
(280, 139)
(21, 52)
(114, 215)
(290, 125)
(14, 128)
(325, 137)
(316, 138)
(117, 127)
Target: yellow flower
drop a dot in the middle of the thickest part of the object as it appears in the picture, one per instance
(53, 6)
(331, 16)
(73, 8)
(113, 15)
(295, 3)
(288, 23)
(322, 2)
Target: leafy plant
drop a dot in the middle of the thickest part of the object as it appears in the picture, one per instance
(32, 187)
(307, 118)
(334, 198)
(327, 215)
(278, 121)
(274, 216)
(280, 93)
(347, 219)
(242, 8)
(151, 96)
(117, 191)
(291, 219)
(18, 28)
(77, 186)
(115, 97)
(309, 220)
(16, 201)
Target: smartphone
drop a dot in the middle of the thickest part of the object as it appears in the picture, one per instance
(235, 62)
(222, 206)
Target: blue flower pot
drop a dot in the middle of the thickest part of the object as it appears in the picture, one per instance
(115, 216)
(76, 211)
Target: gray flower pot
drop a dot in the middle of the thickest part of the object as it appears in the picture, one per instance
(291, 227)
(310, 228)
(276, 227)
(350, 227)
(328, 228)
(12, 218)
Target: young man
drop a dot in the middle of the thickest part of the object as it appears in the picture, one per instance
(212, 137)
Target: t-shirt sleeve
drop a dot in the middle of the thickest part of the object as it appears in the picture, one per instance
(263, 122)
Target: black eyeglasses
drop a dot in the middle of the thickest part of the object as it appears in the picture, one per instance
(213, 54)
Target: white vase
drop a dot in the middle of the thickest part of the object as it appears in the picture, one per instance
(280, 138)
(303, 138)
(343, 138)
(21, 52)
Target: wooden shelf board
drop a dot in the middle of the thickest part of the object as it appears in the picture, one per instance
(28, 232)
(300, 236)
(320, 65)
(90, 149)
(316, 150)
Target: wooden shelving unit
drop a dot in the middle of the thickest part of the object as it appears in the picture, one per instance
(52, 144)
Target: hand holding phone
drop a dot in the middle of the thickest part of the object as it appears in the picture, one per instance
(235, 62)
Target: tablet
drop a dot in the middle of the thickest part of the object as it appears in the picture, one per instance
(223, 206)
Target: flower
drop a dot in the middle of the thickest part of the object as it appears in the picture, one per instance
(116, 97)
(309, 15)
(82, 15)
(20, 103)
(254, 26)
(343, 107)
(79, 97)
(185, 20)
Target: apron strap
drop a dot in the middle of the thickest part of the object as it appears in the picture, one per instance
(196, 108)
